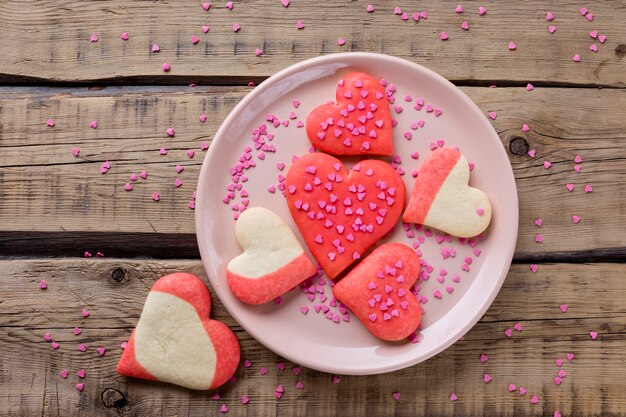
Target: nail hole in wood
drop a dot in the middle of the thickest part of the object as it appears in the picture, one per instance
(519, 146)
(112, 398)
(118, 274)
(620, 50)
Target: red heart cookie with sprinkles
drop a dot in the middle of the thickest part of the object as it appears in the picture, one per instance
(341, 214)
(378, 291)
(175, 341)
(442, 198)
(360, 122)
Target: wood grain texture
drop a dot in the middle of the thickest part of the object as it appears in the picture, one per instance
(50, 40)
(114, 290)
(43, 188)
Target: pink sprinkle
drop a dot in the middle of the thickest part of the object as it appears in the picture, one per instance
(576, 58)
(396, 395)
(547, 164)
(588, 188)
(508, 332)
(575, 219)
(245, 399)
(205, 29)
(285, 3)
(191, 153)
(336, 379)
(64, 373)
(264, 371)
(223, 409)
(522, 391)
(525, 128)
(195, 39)
(530, 87)
(216, 396)
(82, 347)
(80, 387)
(589, 17)
(482, 10)
(480, 211)
(50, 122)
(206, 6)
(124, 36)
(512, 46)
(80, 373)
(296, 371)
(299, 385)
(512, 388)
(539, 238)
(258, 52)
(583, 11)
(229, 5)
(370, 8)
(534, 399)
(492, 115)
(204, 146)
(602, 38)
(559, 362)
(549, 16)
(93, 38)
(75, 152)
(47, 337)
(593, 335)
(341, 41)
(143, 174)
(247, 363)
(156, 48)
(43, 284)
(486, 378)
(551, 28)
(453, 397)
(304, 309)
(166, 67)
(299, 25)
(465, 25)
(128, 187)
(54, 345)
(444, 36)
(77, 331)
(459, 8)
(593, 47)
(483, 358)
(155, 197)
(563, 308)
(569, 356)
(123, 345)
(538, 222)
(437, 294)
(101, 350)
(569, 186)
(236, 27)
(177, 182)
(518, 327)
(532, 153)
(562, 373)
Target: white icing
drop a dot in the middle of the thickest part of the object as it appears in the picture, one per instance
(454, 207)
(172, 344)
(267, 241)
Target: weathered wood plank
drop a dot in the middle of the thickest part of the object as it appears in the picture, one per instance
(43, 188)
(594, 384)
(51, 40)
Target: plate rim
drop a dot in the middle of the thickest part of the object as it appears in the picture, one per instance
(259, 89)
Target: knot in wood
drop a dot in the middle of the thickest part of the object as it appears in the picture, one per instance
(112, 398)
(118, 274)
(519, 146)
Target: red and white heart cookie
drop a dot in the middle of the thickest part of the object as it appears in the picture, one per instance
(360, 122)
(272, 262)
(378, 292)
(175, 341)
(442, 198)
(341, 214)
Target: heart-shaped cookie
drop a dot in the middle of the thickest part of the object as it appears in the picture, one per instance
(272, 262)
(175, 341)
(378, 292)
(341, 214)
(442, 198)
(358, 124)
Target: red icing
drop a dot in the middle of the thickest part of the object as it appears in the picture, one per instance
(365, 293)
(264, 289)
(191, 289)
(370, 112)
(326, 206)
(432, 175)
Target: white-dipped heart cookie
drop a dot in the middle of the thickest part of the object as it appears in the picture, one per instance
(175, 341)
(442, 198)
(272, 262)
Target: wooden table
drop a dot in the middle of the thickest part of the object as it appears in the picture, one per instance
(54, 206)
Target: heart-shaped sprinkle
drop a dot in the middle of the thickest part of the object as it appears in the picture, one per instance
(64, 373)
(569, 356)
(563, 308)
(486, 378)
(575, 219)
(522, 391)
(570, 186)
(80, 387)
(559, 362)
(593, 335)
(80, 373)
(483, 358)
(576, 58)
(512, 46)
(453, 397)
(551, 28)
(396, 395)
(101, 350)
(444, 36)
(508, 332)
(549, 16)
(512, 388)
(482, 10)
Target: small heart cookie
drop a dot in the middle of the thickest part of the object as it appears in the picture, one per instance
(175, 341)
(378, 292)
(442, 198)
(360, 122)
(341, 214)
(272, 262)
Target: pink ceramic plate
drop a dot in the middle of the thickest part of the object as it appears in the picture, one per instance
(311, 339)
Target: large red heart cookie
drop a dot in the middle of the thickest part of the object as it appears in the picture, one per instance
(360, 122)
(441, 197)
(175, 340)
(341, 214)
(378, 291)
